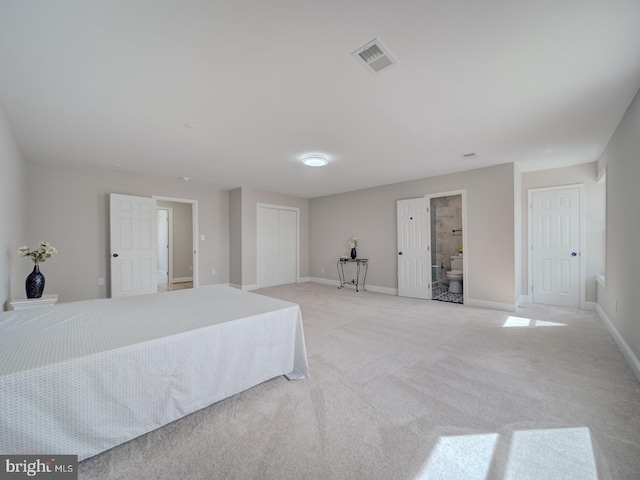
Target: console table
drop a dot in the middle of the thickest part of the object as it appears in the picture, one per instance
(364, 262)
(27, 303)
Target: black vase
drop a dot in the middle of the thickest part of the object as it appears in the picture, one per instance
(353, 254)
(35, 283)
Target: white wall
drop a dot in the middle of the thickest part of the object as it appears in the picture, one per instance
(622, 161)
(69, 207)
(13, 214)
(595, 217)
(519, 247)
(371, 215)
(235, 237)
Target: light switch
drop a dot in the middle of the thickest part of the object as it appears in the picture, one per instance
(201, 237)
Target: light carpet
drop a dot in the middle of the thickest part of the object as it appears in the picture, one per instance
(413, 389)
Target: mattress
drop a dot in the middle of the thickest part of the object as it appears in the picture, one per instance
(82, 377)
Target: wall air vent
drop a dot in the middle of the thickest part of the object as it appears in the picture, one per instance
(374, 56)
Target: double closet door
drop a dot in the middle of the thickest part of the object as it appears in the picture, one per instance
(277, 237)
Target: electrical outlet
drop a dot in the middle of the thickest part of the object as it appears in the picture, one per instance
(191, 268)
(322, 270)
(213, 271)
(100, 281)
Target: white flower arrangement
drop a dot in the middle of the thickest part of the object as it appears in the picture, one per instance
(45, 250)
(353, 243)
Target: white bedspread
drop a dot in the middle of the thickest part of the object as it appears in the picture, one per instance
(82, 377)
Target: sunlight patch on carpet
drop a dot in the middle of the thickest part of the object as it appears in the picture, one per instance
(563, 453)
(466, 457)
(529, 323)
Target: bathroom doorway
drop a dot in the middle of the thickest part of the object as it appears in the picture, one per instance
(448, 260)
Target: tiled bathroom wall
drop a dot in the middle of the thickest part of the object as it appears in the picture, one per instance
(446, 216)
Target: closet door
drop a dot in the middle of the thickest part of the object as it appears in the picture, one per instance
(288, 246)
(277, 236)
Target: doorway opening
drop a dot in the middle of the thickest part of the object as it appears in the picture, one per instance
(177, 240)
(448, 262)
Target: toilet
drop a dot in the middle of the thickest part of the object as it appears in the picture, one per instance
(455, 274)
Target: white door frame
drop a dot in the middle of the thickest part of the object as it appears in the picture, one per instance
(465, 251)
(169, 241)
(582, 262)
(194, 225)
(277, 207)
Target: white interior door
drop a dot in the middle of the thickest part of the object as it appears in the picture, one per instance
(288, 246)
(555, 247)
(277, 234)
(134, 239)
(414, 255)
(268, 237)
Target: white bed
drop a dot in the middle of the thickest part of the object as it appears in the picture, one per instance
(82, 377)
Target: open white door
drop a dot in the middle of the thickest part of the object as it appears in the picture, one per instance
(414, 256)
(555, 246)
(134, 258)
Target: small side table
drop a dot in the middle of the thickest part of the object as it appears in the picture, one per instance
(28, 303)
(355, 282)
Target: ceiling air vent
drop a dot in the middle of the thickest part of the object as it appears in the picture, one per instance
(374, 56)
(470, 156)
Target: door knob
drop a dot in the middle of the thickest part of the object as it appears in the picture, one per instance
(115, 255)
(399, 253)
(573, 254)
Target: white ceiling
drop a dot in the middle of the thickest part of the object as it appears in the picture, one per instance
(112, 83)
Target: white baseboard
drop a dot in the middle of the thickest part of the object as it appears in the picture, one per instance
(304, 279)
(181, 279)
(628, 354)
(472, 302)
(325, 281)
(243, 287)
(370, 288)
(386, 290)
(590, 306)
(522, 300)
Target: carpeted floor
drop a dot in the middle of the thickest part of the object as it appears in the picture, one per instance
(413, 389)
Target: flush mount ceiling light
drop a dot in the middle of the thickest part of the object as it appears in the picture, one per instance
(315, 160)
